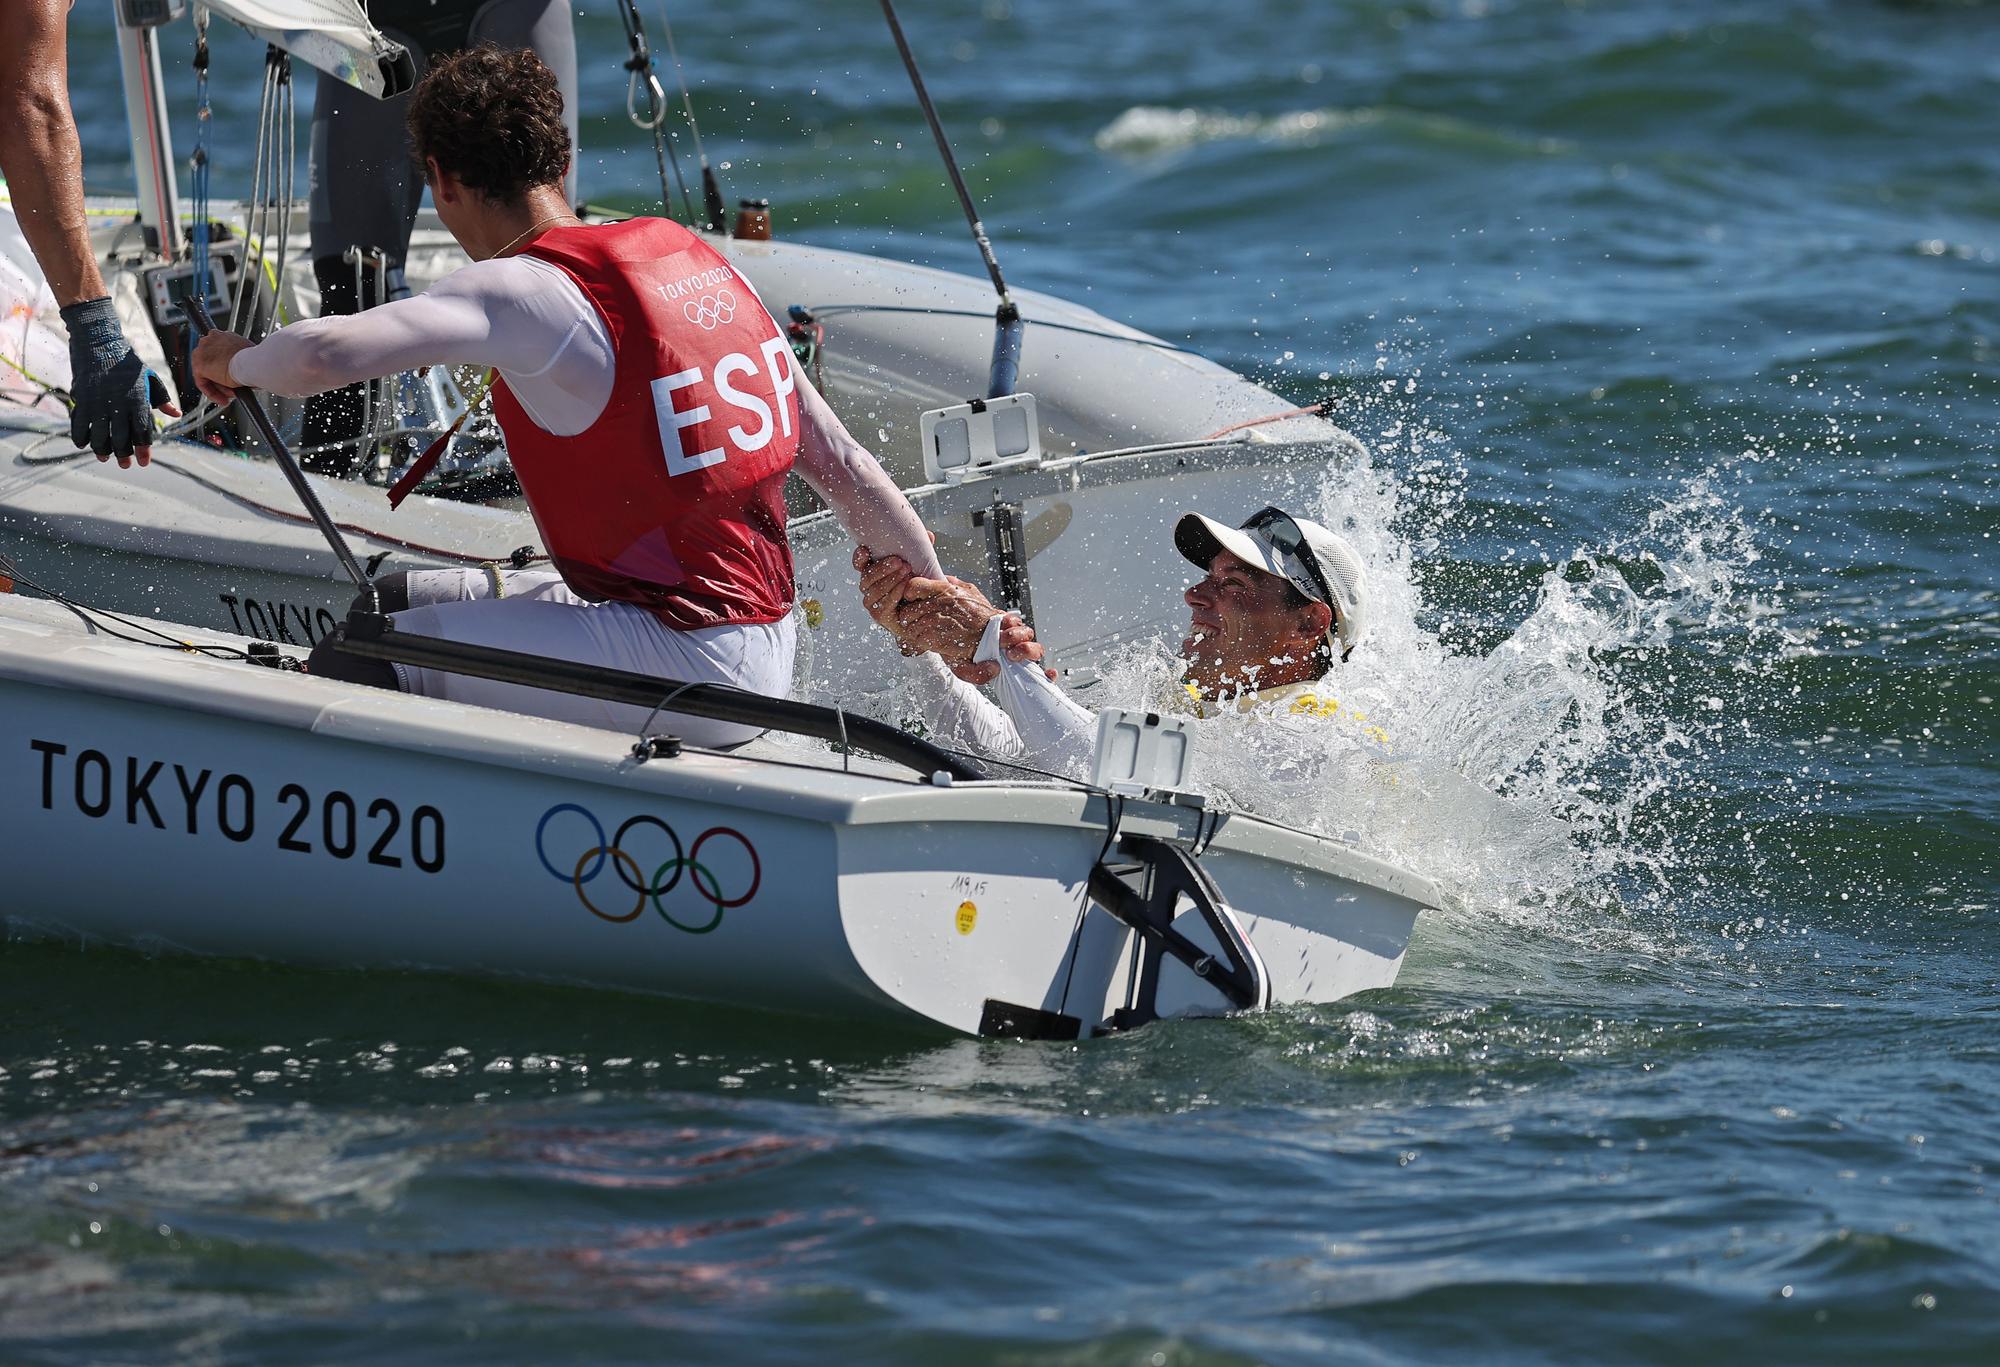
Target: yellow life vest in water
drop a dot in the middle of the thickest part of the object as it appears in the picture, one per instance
(1298, 700)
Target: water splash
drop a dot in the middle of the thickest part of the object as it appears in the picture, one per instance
(1557, 768)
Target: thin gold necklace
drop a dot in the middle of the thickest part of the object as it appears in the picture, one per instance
(532, 226)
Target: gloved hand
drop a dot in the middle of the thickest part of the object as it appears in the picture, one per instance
(112, 391)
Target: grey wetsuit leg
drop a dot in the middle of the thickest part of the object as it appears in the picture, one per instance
(545, 26)
(365, 187)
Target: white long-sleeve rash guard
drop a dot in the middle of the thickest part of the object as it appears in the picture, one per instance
(1036, 723)
(528, 320)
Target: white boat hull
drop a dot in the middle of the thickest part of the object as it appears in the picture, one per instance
(182, 804)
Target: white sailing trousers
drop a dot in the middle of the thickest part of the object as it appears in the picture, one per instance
(533, 611)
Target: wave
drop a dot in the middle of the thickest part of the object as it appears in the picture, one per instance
(1152, 129)
(1556, 775)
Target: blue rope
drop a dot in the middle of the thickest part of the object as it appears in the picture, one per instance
(199, 284)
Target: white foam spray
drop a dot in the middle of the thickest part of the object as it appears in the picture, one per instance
(1556, 768)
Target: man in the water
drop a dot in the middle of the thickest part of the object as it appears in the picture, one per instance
(651, 406)
(1281, 603)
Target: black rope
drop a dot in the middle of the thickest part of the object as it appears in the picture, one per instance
(660, 140)
(835, 310)
(45, 390)
(658, 707)
(88, 615)
(640, 64)
(1066, 780)
(711, 189)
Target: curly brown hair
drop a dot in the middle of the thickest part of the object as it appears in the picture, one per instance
(493, 119)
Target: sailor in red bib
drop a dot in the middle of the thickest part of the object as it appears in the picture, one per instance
(652, 409)
(673, 499)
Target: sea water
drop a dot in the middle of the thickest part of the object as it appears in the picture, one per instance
(1671, 330)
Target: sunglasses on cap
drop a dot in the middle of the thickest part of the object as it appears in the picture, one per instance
(1282, 530)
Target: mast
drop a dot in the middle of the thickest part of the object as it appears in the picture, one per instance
(1007, 324)
(152, 140)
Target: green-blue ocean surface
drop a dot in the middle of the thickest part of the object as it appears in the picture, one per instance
(1671, 326)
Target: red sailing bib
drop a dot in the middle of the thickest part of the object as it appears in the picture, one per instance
(673, 500)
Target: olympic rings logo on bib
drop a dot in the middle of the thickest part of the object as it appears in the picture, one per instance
(629, 853)
(711, 311)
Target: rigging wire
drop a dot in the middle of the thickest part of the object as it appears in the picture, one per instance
(260, 155)
(273, 178)
(518, 561)
(378, 415)
(289, 124)
(270, 198)
(1065, 780)
(944, 150)
(1006, 365)
(640, 64)
(48, 389)
(711, 189)
(1311, 410)
(1158, 344)
(203, 120)
(89, 614)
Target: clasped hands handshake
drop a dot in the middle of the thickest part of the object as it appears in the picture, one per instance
(947, 616)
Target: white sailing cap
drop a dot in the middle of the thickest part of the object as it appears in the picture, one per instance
(1255, 543)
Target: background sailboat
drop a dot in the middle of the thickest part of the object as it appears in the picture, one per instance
(1130, 425)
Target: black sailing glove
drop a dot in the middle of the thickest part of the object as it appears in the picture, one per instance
(112, 392)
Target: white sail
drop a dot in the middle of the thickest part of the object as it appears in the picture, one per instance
(334, 36)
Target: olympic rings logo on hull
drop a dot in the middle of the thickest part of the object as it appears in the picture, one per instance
(711, 311)
(628, 865)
